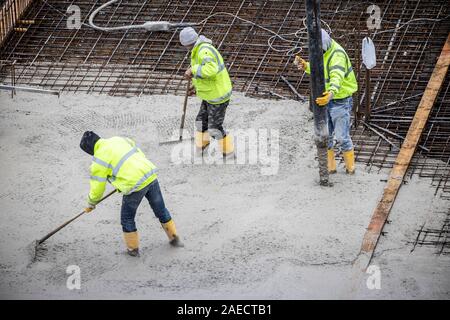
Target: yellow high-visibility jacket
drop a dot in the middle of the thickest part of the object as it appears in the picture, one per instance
(210, 76)
(339, 76)
(119, 161)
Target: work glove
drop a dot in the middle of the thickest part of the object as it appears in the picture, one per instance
(301, 64)
(188, 74)
(191, 91)
(324, 99)
(89, 208)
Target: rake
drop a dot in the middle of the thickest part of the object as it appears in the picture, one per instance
(183, 118)
(34, 246)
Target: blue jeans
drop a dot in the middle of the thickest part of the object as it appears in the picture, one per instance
(131, 202)
(339, 123)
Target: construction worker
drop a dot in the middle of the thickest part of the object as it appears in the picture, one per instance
(212, 84)
(340, 84)
(119, 161)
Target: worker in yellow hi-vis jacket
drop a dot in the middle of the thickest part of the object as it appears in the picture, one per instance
(340, 84)
(119, 161)
(212, 84)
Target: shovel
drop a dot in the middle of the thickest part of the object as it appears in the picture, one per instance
(183, 117)
(34, 246)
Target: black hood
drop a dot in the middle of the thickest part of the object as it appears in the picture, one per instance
(88, 142)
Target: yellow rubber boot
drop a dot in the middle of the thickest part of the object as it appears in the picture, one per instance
(349, 159)
(227, 145)
(132, 242)
(202, 139)
(171, 231)
(331, 161)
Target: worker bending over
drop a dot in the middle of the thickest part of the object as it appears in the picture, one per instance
(119, 161)
(340, 84)
(212, 84)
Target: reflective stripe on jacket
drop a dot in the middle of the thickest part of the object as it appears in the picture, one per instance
(339, 76)
(210, 76)
(119, 161)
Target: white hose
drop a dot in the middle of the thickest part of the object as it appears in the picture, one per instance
(107, 4)
(299, 35)
(148, 26)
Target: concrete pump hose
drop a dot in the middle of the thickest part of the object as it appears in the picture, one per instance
(96, 11)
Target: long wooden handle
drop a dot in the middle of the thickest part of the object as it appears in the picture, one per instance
(183, 117)
(74, 218)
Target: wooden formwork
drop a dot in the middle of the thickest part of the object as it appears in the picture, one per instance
(10, 13)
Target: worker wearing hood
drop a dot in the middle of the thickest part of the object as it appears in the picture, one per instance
(340, 84)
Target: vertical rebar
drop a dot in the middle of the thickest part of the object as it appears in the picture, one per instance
(367, 110)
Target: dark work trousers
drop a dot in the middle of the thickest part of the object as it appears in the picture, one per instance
(211, 117)
(131, 202)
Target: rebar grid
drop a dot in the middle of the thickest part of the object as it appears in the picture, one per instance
(8, 68)
(379, 139)
(438, 238)
(128, 63)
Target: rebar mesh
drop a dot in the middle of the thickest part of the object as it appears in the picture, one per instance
(408, 45)
(437, 238)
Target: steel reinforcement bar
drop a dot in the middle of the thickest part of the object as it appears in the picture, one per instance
(10, 13)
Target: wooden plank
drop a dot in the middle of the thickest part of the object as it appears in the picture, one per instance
(404, 157)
